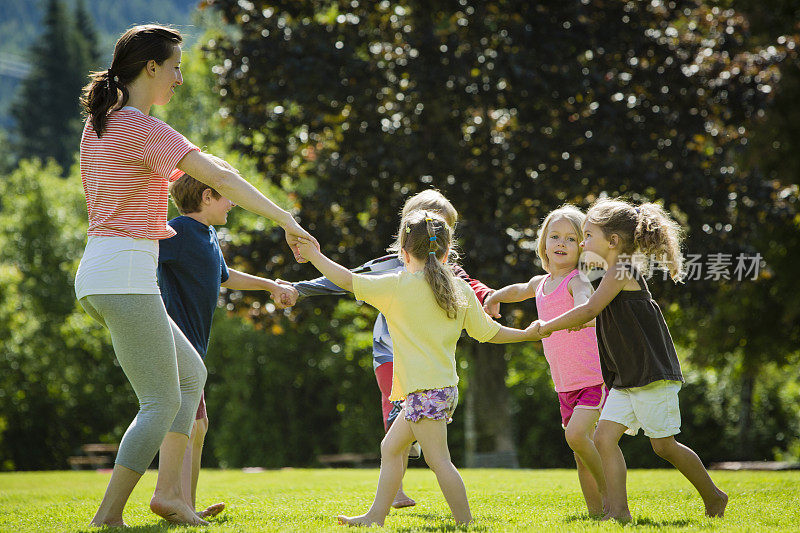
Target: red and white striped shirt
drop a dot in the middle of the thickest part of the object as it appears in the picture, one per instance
(125, 174)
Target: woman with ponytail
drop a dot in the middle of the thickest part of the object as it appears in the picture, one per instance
(426, 308)
(127, 160)
(637, 358)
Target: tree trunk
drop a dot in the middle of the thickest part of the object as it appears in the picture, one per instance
(745, 444)
(488, 434)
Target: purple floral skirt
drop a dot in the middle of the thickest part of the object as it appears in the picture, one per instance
(436, 404)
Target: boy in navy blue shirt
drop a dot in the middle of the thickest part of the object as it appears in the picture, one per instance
(191, 270)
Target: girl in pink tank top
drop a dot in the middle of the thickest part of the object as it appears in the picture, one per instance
(572, 355)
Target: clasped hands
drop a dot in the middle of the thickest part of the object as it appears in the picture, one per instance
(536, 331)
(284, 295)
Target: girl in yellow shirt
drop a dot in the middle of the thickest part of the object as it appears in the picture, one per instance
(426, 308)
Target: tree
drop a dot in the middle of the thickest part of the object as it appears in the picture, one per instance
(59, 384)
(87, 39)
(510, 108)
(47, 109)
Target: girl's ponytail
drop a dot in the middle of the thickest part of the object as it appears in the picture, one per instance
(426, 236)
(657, 235)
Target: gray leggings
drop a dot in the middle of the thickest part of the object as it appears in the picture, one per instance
(164, 369)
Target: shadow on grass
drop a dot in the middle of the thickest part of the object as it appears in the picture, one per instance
(584, 517)
(684, 522)
(435, 524)
(161, 526)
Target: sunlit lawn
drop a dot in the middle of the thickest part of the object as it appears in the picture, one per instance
(501, 500)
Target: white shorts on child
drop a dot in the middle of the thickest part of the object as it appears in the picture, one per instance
(653, 408)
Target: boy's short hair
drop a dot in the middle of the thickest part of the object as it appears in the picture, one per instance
(187, 194)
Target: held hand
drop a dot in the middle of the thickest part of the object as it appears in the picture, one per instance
(285, 295)
(294, 232)
(307, 249)
(492, 306)
(536, 330)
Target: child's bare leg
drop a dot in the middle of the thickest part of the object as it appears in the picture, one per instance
(590, 470)
(591, 495)
(432, 437)
(401, 499)
(191, 471)
(394, 443)
(188, 481)
(689, 464)
(606, 439)
(168, 501)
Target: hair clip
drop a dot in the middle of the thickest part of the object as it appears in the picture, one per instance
(408, 229)
(428, 219)
(431, 253)
(432, 238)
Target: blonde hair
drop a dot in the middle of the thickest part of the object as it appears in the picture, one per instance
(429, 200)
(426, 236)
(647, 229)
(571, 214)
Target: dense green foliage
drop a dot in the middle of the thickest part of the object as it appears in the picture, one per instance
(501, 500)
(505, 111)
(512, 108)
(22, 21)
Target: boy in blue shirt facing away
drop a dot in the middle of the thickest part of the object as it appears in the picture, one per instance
(191, 270)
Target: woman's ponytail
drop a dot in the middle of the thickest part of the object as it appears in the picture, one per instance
(100, 96)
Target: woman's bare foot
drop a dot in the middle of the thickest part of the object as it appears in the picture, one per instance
(212, 510)
(401, 500)
(175, 511)
(362, 520)
(716, 508)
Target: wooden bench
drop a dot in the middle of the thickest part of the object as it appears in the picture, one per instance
(95, 456)
(357, 460)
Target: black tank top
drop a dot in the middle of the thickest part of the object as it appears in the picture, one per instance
(635, 346)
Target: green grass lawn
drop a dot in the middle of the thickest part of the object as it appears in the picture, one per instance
(501, 500)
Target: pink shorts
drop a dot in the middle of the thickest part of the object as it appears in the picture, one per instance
(586, 398)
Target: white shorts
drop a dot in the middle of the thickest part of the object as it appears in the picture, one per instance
(117, 265)
(653, 408)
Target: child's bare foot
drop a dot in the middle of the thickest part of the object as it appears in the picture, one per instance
(716, 508)
(402, 500)
(175, 511)
(623, 517)
(212, 510)
(362, 520)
